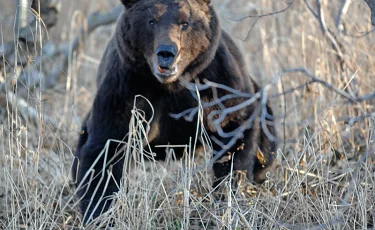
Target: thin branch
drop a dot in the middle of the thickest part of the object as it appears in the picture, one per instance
(315, 14)
(217, 116)
(342, 10)
(322, 21)
(289, 4)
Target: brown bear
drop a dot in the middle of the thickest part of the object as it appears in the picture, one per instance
(158, 47)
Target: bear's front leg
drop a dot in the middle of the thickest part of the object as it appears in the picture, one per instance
(97, 170)
(253, 154)
(267, 147)
(98, 176)
(240, 155)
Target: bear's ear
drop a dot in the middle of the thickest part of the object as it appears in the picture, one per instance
(207, 1)
(129, 3)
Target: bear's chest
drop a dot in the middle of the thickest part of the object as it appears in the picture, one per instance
(165, 126)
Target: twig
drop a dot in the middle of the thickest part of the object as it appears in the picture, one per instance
(322, 21)
(289, 4)
(342, 10)
(261, 109)
(315, 14)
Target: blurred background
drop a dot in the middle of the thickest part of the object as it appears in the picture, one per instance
(317, 59)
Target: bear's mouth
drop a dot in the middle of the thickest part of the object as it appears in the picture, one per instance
(166, 74)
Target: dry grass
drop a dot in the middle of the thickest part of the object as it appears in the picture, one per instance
(326, 173)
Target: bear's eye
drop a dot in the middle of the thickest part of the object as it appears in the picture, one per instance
(184, 25)
(151, 23)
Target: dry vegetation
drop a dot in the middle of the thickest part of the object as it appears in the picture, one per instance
(326, 173)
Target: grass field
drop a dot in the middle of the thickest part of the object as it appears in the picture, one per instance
(325, 174)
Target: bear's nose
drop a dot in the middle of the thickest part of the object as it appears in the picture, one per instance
(166, 55)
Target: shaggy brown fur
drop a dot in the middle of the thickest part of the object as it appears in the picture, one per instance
(157, 45)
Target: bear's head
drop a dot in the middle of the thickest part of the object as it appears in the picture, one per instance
(175, 38)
